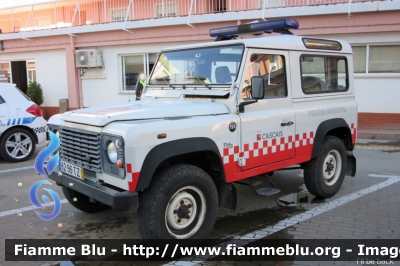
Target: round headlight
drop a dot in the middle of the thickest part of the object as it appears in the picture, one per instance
(57, 133)
(112, 152)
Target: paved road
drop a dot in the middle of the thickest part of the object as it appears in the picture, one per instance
(367, 206)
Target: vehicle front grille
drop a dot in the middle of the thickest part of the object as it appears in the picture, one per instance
(80, 148)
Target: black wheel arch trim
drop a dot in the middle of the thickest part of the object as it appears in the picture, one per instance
(170, 149)
(327, 126)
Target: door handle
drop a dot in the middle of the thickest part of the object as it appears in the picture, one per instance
(287, 124)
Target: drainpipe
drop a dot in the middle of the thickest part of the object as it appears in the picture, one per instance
(78, 80)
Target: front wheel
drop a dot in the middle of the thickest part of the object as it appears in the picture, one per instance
(324, 175)
(181, 203)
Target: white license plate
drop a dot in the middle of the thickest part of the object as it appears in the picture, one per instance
(73, 170)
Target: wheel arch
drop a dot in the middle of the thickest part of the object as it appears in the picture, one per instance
(23, 127)
(335, 127)
(188, 150)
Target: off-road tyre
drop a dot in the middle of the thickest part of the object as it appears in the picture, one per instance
(82, 202)
(177, 191)
(324, 174)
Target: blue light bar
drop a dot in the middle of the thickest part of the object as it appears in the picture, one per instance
(277, 25)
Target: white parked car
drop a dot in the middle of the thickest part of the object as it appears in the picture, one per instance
(21, 124)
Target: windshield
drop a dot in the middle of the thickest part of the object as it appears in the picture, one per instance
(203, 66)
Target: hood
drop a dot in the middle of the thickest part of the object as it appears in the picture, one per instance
(144, 109)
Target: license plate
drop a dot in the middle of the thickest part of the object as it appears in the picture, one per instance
(73, 170)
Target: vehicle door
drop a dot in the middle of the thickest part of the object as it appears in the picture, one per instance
(267, 126)
(4, 112)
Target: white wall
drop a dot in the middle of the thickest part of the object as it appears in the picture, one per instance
(51, 72)
(375, 93)
(106, 88)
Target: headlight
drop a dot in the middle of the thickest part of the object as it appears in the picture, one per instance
(112, 152)
(53, 128)
(113, 155)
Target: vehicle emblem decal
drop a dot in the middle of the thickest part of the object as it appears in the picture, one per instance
(232, 126)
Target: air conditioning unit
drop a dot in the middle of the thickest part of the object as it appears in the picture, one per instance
(88, 58)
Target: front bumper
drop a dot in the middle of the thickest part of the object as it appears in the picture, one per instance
(120, 201)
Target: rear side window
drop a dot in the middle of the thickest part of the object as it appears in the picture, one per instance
(322, 74)
(23, 94)
(2, 100)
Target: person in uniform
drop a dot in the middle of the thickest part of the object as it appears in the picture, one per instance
(140, 85)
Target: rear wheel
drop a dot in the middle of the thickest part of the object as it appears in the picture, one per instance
(17, 145)
(324, 175)
(83, 202)
(181, 203)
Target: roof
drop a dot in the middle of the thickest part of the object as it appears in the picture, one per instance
(275, 42)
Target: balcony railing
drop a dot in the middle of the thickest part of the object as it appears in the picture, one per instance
(86, 12)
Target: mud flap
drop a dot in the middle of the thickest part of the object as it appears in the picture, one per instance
(227, 196)
(351, 164)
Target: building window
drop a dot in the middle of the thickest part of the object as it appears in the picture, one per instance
(323, 74)
(384, 59)
(360, 59)
(118, 14)
(166, 9)
(132, 66)
(31, 71)
(5, 75)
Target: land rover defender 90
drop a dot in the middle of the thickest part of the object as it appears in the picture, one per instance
(213, 114)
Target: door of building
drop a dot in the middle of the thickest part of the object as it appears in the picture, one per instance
(19, 75)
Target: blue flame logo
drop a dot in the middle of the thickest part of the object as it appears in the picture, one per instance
(52, 163)
(45, 168)
(35, 201)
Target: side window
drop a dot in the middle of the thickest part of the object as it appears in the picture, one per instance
(321, 74)
(1, 100)
(272, 69)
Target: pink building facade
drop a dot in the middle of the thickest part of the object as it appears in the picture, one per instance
(40, 43)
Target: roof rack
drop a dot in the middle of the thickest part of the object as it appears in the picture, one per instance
(279, 25)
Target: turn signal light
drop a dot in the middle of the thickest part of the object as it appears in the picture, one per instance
(120, 163)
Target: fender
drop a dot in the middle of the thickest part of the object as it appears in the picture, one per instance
(170, 149)
(325, 127)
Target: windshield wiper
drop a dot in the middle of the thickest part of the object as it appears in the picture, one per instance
(166, 81)
(201, 79)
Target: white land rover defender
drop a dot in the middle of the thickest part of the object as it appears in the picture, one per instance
(213, 114)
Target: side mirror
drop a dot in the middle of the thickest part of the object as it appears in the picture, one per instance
(257, 87)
